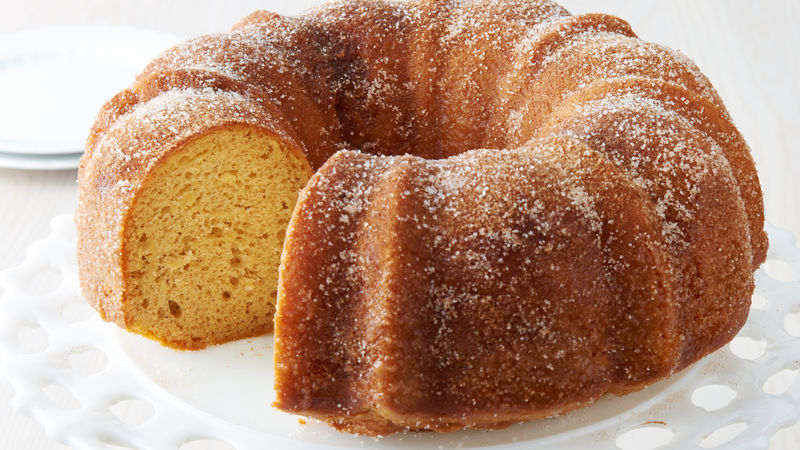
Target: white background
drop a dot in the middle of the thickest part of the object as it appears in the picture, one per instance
(749, 49)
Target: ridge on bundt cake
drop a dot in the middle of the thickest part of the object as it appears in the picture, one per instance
(508, 211)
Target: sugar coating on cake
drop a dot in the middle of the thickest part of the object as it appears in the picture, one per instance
(514, 210)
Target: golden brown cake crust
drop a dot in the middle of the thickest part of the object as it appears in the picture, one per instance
(611, 246)
(417, 295)
(380, 325)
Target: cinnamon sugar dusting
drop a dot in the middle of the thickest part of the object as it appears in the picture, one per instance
(579, 215)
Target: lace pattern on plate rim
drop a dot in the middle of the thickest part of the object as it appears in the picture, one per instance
(71, 375)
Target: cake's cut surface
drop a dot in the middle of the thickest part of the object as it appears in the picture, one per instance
(203, 238)
(603, 238)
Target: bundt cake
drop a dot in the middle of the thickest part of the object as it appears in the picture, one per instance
(471, 213)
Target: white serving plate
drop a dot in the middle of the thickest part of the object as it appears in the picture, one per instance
(53, 82)
(89, 383)
(39, 162)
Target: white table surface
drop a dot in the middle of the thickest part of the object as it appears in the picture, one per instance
(749, 49)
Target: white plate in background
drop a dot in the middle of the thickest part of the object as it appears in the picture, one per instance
(53, 82)
(56, 161)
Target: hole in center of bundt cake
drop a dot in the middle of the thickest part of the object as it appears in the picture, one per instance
(204, 238)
